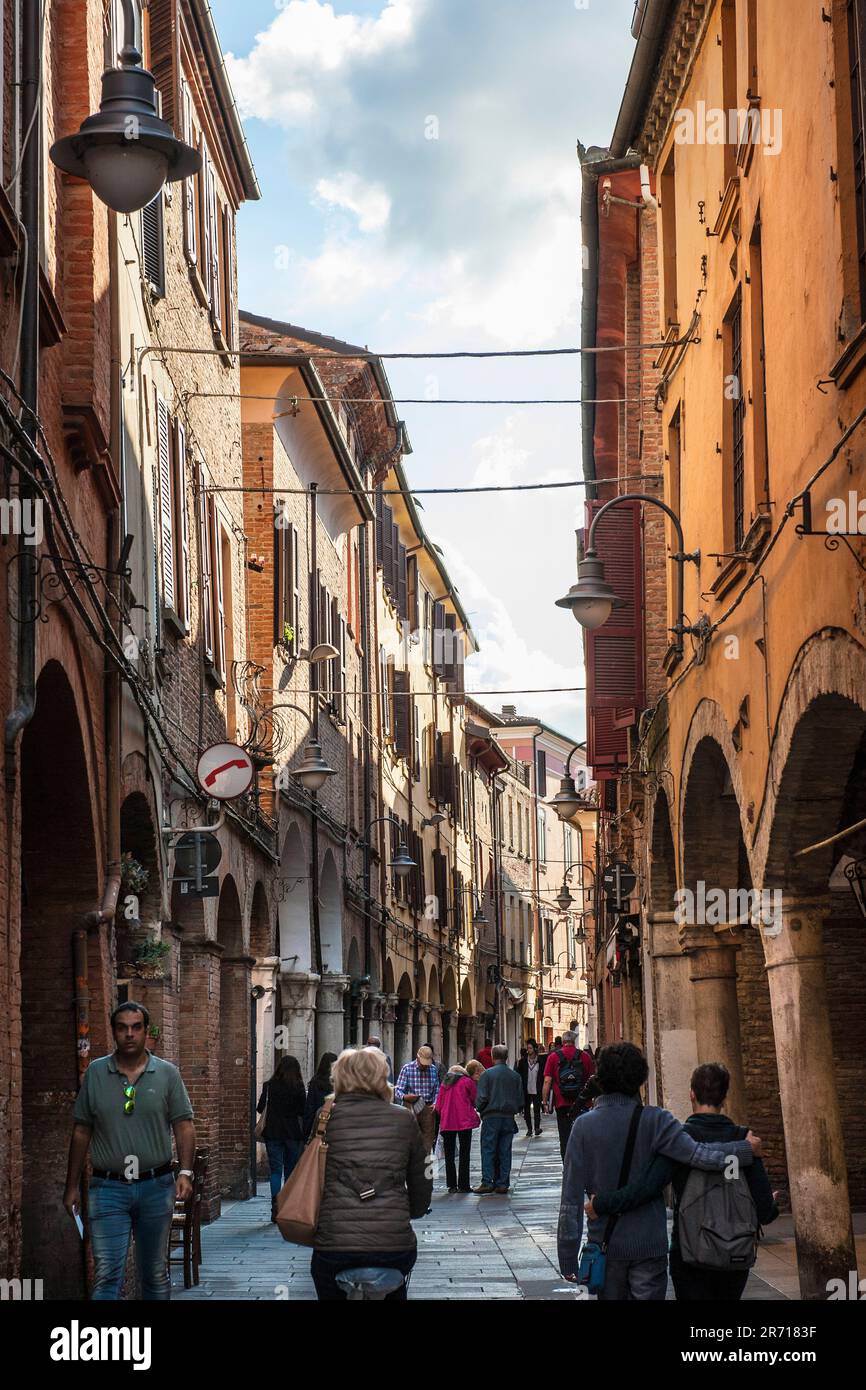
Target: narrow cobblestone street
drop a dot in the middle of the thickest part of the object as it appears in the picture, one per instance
(469, 1247)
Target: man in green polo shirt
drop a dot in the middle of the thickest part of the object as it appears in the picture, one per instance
(127, 1107)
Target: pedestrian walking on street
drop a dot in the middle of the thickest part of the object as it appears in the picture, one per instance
(455, 1105)
(499, 1098)
(708, 1124)
(373, 1041)
(619, 1137)
(126, 1110)
(566, 1072)
(417, 1088)
(319, 1089)
(282, 1102)
(530, 1069)
(485, 1056)
(377, 1180)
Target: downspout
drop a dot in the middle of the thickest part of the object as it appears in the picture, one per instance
(31, 168)
(368, 746)
(113, 685)
(314, 696)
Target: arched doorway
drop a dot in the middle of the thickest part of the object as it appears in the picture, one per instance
(233, 1159)
(403, 1027)
(293, 912)
(59, 884)
(331, 1030)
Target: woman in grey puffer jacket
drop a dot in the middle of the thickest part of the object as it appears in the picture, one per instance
(377, 1179)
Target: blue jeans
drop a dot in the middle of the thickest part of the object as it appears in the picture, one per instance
(327, 1264)
(283, 1154)
(497, 1135)
(114, 1210)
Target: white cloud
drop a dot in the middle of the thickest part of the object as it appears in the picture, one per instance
(369, 202)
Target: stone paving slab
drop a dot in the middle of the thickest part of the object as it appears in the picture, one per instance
(469, 1248)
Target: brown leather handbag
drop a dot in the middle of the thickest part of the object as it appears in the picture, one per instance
(300, 1199)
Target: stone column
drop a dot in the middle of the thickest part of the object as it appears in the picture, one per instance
(389, 1018)
(817, 1172)
(330, 1014)
(451, 1035)
(298, 1000)
(712, 953)
(436, 1034)
(402, 1035)
(421, 1027)
(675, 1043)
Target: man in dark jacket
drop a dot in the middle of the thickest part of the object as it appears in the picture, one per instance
(709, 1089)
(637, 1257)
(499, 1098)
(530, 1069)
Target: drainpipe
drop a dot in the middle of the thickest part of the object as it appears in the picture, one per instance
(31, 170)
(113, 683)
(314, 695)
(367, 724)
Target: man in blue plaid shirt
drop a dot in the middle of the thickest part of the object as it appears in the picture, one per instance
(419, 1081)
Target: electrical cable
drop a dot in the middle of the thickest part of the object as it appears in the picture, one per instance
(425, 491)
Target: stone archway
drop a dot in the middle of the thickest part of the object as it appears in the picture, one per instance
(403, 1051)
(670, 997)
(708, 910)
(294, 943)
(331, 1031)
(815, 949)
(235, 1075)
(60, 884)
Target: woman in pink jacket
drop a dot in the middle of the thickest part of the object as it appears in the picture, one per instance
(458, 1117)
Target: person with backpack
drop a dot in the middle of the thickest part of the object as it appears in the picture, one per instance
(717, 1218)
(566, 1072)
(626, 1256)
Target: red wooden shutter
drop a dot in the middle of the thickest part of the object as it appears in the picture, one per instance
(166, 502)
(614, 652)
(205, 564)
(439, 638)
(182, 575)
(402, 730)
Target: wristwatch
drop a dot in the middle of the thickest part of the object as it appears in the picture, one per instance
(186, 1173)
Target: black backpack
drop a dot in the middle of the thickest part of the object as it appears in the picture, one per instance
(570, 1074)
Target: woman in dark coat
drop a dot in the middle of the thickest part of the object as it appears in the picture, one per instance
(285, 1097)
(318, 1091)
(376, 1177)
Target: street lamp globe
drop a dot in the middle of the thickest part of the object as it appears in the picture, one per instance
(564, 898)
(402, 863)
(591, 599)
(313, 772)
(568, 800)
(125, 151)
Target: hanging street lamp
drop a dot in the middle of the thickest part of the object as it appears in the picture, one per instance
(592, 600)
(568, 800)
(126, 151)
(402, 863)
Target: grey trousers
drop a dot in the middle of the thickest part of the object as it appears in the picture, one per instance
(644, 1280)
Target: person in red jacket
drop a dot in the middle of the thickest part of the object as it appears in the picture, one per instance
(485, 1056)
(565, 1074)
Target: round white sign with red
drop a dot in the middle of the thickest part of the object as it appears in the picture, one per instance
(225, 770)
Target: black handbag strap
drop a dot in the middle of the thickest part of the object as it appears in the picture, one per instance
(624, 1170)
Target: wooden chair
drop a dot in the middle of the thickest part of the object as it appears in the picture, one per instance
(185, 1235)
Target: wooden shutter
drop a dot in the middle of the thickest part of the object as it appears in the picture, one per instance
(206, 224)
(181, 525)
(438, 638)
(402, 729)
(412, 593)
(204, 546)
(292, 585)
(385, 692)
(455, 783)
(446, 768)
(166, 501)
(416, 726)
(433, 763)
(190, 227)
(279, 574)
(229, 276)
(380, 527)
(153, 246)
(387, 545)
(540, 772)
(216, 306)
(219, 621)
(614, 652)
(402, 583)
(449, 651)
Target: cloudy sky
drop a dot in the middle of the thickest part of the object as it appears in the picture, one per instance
(421, 192)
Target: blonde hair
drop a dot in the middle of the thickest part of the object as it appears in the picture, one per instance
(474, 1068)
(362, 1069)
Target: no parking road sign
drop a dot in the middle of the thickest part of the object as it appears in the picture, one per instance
(225, 770)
